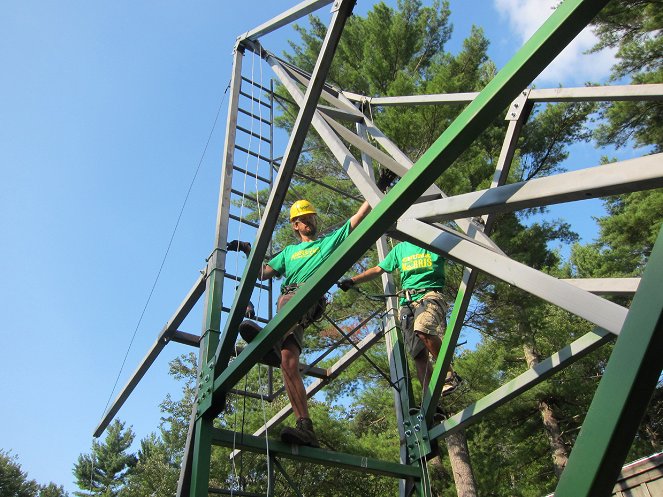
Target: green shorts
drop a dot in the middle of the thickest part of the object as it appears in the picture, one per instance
(426, 315)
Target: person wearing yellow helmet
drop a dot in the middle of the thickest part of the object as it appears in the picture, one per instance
(297, 263)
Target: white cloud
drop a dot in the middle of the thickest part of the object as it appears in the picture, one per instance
(572, 67)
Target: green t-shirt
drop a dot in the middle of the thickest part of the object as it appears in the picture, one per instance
(419, 268)
(298, 262)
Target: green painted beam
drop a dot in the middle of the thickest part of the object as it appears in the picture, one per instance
(623, 394)
(202, 456)
(523, 382)
(227, 438)
(562, 26)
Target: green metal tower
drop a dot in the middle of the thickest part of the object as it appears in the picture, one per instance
(415, 206)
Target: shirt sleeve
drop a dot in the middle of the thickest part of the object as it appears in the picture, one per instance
(335, 238)
(277, 263)
(390, 262)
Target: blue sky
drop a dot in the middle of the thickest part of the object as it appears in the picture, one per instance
(105, 112)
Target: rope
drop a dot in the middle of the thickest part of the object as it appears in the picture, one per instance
(170, 242)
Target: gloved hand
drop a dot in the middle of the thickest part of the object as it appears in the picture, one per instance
(345, 284)
(238, 246)
(384, 181)
(250, 311)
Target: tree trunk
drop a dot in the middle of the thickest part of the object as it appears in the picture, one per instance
(459, 456)
(560, 455)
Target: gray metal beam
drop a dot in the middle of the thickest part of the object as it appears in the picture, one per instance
(516, 116)
(581, 94)
(600, 181)
(466, 224)
(398, 369)
(606, 286)
(283, 19)
(162, 340)
(594, 309)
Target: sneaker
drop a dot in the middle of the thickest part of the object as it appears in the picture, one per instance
(451, 384)
(248, 330)
(301, 434)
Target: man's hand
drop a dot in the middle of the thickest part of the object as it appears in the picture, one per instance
(385, 179)
(345, 284)
(238, 246)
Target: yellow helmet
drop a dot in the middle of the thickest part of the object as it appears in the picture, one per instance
(300, 208)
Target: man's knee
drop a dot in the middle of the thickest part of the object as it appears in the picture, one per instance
(290, 355)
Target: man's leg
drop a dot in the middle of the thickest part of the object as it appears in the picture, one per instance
(302, 433)
(424, 368)
(294, 385)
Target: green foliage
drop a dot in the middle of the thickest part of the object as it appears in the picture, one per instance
(105, 471)
(627, 236)
(154, 474)
(52, 490)
(635, 29)
(14, 481)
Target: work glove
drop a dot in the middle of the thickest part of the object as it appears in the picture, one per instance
(238, 246)
(385, 180)
(345, 284)
(250, 311)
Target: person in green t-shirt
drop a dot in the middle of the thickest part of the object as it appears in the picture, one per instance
(423, 310)
(297, 263)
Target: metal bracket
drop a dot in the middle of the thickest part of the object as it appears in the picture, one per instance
(205, 387)
(417, 439)
(517, 106)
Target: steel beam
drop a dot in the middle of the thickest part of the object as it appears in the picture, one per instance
(621, 399)
(523, 382)
(594, 182)
(594, 309)
(169, 330)
(368, 465)
(517, 114)
(283, 19)
(466, 224)
(194, 471)
(581, 94)
(606, 286)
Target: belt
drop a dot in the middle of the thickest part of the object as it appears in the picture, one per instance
(286, 289)
(416, 291)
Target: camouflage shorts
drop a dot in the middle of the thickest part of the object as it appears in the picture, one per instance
(426, 315)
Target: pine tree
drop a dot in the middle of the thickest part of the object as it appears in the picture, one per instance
(14, 481)
(104, 472)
